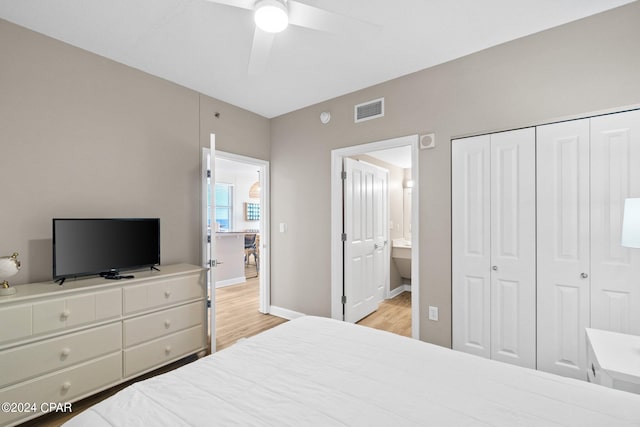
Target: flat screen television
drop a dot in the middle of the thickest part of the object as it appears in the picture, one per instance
(104, 246)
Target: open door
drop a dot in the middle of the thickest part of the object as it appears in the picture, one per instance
(208, 242)
(365, 236)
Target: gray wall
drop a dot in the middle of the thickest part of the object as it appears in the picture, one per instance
(583, 67)
(83, 136)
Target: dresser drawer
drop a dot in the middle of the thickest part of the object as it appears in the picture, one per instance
(64, 386)
(151, 326)
(76, 310)
(16, 323)
(163, 350)
(35, 359)
(162, 292)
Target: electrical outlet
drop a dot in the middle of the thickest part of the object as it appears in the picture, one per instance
(433, 313)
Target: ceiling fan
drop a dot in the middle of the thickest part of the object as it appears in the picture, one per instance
(273, 16)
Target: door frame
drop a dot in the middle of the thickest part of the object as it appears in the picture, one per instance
(337, 254)
(265, 224)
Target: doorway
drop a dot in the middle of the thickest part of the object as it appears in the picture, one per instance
(235, 201)
(338, 279)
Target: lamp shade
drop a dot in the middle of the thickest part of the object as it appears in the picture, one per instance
(254, 191)
(631, 224)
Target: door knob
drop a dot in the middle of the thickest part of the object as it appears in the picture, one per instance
(494, 268)
(584, 275)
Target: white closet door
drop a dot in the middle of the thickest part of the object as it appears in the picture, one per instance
(513, 247)
(471, 252)
(615, 175)
(563, 246)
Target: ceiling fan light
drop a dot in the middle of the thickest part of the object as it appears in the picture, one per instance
(271, 16)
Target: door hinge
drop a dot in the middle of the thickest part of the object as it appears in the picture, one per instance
(343, 236)
(344, 299)
(343, 175)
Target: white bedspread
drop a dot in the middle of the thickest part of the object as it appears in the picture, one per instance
(320, 372)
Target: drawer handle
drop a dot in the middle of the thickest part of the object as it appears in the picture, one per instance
(65, 352)
(65, 314)
(593, 369)
(66, 386)
(167, 323)
(167, 294)
(167, 349)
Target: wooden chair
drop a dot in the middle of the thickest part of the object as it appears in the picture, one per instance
(252, 247)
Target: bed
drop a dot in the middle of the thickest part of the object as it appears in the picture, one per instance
(315, 371)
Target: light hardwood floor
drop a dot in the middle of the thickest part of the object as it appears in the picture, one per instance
(237, 317)
(393, 315)
(237, 314)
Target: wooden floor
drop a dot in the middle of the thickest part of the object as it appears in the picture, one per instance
(237, 314)
(237, 317)
(393, 315)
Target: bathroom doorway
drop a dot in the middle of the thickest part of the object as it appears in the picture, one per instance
(399, 157)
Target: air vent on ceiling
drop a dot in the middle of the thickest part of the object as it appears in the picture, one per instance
(369, 110)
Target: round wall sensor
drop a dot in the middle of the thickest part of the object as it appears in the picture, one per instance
(325, 116)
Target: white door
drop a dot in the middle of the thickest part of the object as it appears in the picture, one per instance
(563, 247)
(471, 244)
(493, 246)
(366, 259)
(513, 247)
(615, 175)
(208, 250)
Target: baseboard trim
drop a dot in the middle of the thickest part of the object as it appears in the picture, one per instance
(400, 289)
(285, 313)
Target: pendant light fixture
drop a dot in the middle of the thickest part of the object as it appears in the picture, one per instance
(254, 190)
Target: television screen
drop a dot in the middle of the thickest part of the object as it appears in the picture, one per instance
(90, 246)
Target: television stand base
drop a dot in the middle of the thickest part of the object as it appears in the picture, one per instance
(114, 275)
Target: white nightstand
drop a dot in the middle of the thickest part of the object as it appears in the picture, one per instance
(613, 360)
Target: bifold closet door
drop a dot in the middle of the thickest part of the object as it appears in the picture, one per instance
(563, 247)
(493, 246)
(615, 175)
(513, 247)
(471, 244)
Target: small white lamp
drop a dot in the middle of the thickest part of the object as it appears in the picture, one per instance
(631, 224)
(9, 265)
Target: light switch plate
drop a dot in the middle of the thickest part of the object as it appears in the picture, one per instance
(433, 313)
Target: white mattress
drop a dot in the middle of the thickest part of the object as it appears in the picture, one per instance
(320, 372)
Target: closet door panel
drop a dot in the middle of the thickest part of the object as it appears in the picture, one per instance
(471, 244)
(562, 152)
(513, 257)
(615, 175)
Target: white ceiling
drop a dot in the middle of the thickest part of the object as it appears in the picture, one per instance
(205, 46)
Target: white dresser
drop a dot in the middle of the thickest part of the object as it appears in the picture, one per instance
(64, 343)
(613, 359)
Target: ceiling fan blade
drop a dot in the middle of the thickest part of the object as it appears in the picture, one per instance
(243, 4)
(315, 18)
(260, 49)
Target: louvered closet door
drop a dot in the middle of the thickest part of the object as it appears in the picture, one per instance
(563, 246)
(471, 251)
(615, 175)
(513, 247)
